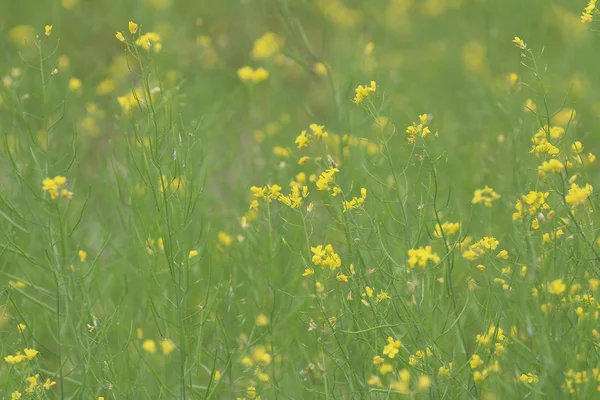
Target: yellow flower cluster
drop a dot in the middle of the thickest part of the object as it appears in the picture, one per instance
(422, 256)
(577, 195)
(326, 178)
(519, 43)
(55, 187)
(447, 228)
(418, 129)
(18, 358)
(588, 12)
(37, 387)
(150, 40)
(267, 193)
(356, 202)
(487, 196)
(363, 92)
(294, 199)
(478, 248)
(326, 257)
(305, 138)
(267, 46)
(392, 348)
(249, 74)
(530, 204)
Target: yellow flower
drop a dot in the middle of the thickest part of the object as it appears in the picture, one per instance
(30, 353)
(133, 27)
(557, 287)
(503, 255)
(530, 378)
(363, 92)
(262, 320)
(267, 46)
(308, 272)
(21, 327)
(577, 195)
(519, 43)
(248, 74)
(475, 361)
(422, 256)
(48, 384)
(74, 84)
(193, 253)
(48, 30)
(486, 196)
(166, 346)
(120, 37)
(447, 228)
(224, 239)
(15, 395)
(392, 348)
(149, 346)
(82, 255)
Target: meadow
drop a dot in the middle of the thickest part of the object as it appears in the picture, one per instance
(299, 199)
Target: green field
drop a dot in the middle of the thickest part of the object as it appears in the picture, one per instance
(299, 199)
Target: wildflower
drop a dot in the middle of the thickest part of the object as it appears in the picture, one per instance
(21, 327)
(30, 353)
(120, 37)
(513, 79)
(341, 277)
(267, 46)
(192, 254)
(392, 348)
(422, 256)
(15, 395)
(48, 384)
(356, 202)
(374, 380)
(326, 257)
(588, 12)
(318, 131)
(363, 92)
(519, 43)
(303, 160)
(548, 237)
(16, 359)
(529, 378)
(445, 371)
(217, 375)
(503, 255)
(303, 140)
(418, 129)
(248, 74)
(294, 199)
(326, 178)
(74, 84)
(166, 346)
(382, 295)
(557, 287)
(224, 239)
(308, 272)
(487, 196)
(48, 30)
(475, 361)
(320, 68)
(378, 360)
(423, 383)
(82, 255)
(577, 195)
(447, 228)
(149, 40)
(54, 186)
(262, 320)
(149, 346)
(133, 27)
(552, 166)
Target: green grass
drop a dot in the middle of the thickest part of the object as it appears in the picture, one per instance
(166, 277)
